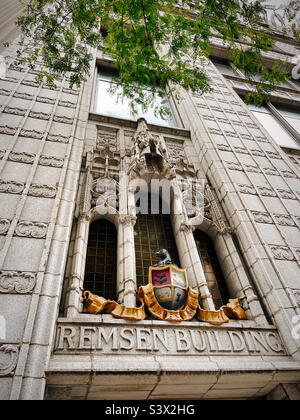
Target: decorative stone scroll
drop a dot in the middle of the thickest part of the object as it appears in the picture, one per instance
(31, 230)
(95, 305)
(5, 129)
(22, 157)
(282, 252)
(4, 226)
(58, 138)
(11, 187)
(17, 282)
(8, 359)
(51, 161)
(45, 191)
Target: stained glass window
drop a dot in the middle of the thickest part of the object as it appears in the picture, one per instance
(212, 270)
(100, 270)
(152, 233)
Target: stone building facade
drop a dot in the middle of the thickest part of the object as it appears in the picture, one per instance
(55, 146)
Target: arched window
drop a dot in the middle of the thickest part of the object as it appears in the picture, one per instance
(212, 270)
(152, 233)
(101, 263)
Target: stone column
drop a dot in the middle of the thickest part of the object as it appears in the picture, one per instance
(187, 250)
(127, 224)
(120, 265)
(75, 289)
(189, 258)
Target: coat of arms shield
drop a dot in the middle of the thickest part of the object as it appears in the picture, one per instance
(170, 286)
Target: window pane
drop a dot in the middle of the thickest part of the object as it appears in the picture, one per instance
(292, 117)
(224, 68)
(152, 233)
(212, 270)
(115, 106)
(100, 270)
(274, 128)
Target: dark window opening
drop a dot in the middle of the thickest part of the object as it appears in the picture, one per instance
(212, 270)
(152, 233)
(101, 262)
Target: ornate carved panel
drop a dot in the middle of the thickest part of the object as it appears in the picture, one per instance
(106, 138)
(46, 191)
(17, 282)
(11, 187)
(31, 230)
(282, 252)
(8, 359)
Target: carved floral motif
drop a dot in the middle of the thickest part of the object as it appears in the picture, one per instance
(8, 359)
(17, 282)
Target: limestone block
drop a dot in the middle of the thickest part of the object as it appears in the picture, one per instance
(24, 255)
(37, 209)
(8, 205)
(14, 309)
(5, 384)
(46, 175)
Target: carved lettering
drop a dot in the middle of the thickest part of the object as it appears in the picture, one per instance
(109, 339)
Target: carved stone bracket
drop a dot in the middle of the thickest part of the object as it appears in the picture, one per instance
(17, 282)
(8, 359)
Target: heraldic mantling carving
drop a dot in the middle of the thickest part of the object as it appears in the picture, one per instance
(166, 297)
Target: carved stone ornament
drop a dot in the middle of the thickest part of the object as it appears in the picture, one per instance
(282, 253)
(22, 157)
(149, 154)
(167, 297)
(128, 220)
(31, 230)
(4, 226)
(106, 139)
(62, 119)
(17, 282)
(58, 138)
(261, 217)
(246, 189)
(286, 194)
(297, 296)
(51, 161)
(5, 129)
(14, 111)
(11, 187)
(45, 191)
(8, 359)
(32, 134)
(2, 153)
